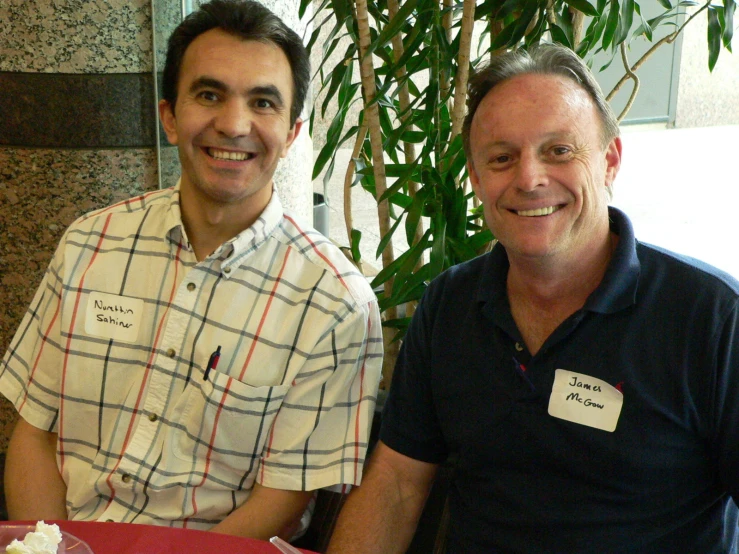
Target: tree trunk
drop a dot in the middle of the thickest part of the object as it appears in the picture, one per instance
(463, 67)
(409, 149)
(372, 117)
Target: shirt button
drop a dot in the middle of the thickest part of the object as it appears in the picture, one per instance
(126, 478)
(191, 286)
(226, 270)
(170, 352)
(519, 348)
(153, 417)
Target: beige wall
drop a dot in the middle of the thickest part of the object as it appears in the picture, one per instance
(705, 99)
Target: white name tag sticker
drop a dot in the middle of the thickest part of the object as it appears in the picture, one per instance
(585, 400)
(113, 317)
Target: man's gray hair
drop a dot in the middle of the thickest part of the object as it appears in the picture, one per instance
(544, 59)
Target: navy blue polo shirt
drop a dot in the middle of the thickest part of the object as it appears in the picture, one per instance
(661, 328)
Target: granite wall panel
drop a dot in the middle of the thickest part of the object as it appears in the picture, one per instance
(77, 111)
(76, 36)
(42, 191)
(77, 131)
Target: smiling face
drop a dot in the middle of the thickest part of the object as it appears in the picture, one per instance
(231, 121)
(540, 169)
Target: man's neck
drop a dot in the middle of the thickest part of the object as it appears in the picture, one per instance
(208, 224)
(542, 295)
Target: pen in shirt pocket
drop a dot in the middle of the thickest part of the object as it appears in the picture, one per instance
(212, 362)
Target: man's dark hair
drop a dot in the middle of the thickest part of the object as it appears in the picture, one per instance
(545, 59)
(248, 20)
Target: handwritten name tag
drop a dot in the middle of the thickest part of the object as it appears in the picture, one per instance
(585, 400)
(113, 317)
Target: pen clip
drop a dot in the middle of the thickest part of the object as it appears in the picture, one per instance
(212, 362)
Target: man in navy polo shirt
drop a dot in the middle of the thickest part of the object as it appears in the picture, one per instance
(584, 386)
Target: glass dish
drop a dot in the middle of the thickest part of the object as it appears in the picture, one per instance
(70, 543)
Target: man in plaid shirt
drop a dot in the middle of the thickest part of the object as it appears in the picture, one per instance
(195, 357)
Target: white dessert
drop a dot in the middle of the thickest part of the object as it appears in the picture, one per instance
(44, 540)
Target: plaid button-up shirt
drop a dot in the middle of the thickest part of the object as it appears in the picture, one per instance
(113, 351)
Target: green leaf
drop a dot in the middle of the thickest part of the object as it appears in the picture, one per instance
(398, 323)
(337, 76)
(612, 22)
(342, 8)
(729, 9)
(388, 272)
(480, 239)
(438, 247)
(645, 28)
(714, 38)
(560, 36)
(413, 218)
(393, 28)
(462, 250)
(514, 32)
(665, 4)
(624, 25)
(355, 238)
(584, 6)
(387, 238)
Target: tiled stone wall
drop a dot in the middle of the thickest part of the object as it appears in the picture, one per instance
(77, 123)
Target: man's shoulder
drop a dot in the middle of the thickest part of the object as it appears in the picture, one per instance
(319, 251)
(134, 206)
(684, 271)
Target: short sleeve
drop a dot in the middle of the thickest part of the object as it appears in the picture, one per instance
(725, 404)
(409, 422)
(30, 370)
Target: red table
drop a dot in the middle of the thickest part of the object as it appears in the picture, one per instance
(128, 538)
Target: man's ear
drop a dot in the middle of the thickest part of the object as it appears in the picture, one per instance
(166, 116)
(292, 134)
(613, 160)
(474, 178)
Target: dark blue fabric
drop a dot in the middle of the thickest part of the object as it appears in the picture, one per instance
(661, 327)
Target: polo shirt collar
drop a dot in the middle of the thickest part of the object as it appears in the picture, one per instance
(616, 291)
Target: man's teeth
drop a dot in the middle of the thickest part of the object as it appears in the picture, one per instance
(226, 155)
(538, 211)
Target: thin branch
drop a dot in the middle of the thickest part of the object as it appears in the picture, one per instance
(551, 18)
(633, 76)
(372, 117)
(446, 21)
(409, 149)
(669, 39)
(349, 178)
(463, 67)
(578, 23)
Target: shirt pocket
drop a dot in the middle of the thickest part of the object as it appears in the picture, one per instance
(222, 426)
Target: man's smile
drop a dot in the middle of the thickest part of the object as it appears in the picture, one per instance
(229, 154)
(537, 212)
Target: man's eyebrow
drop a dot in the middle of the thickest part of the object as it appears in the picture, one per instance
(207, 82)
(268, 90)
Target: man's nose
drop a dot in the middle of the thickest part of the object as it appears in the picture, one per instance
(531, 171)
(234, 119)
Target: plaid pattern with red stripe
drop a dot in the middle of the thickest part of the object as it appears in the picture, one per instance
(143, 437)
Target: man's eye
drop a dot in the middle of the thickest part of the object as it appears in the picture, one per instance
(264, 103)
(502, 159)
(560, 151)
(208, 96)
